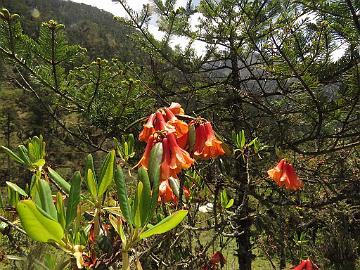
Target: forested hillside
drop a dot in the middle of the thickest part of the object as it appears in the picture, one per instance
(93, 29)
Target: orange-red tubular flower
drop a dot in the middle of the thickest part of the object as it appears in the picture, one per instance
(284, 175)
(165, 171)
(148, 128)
(161, 124)
(183, 141)
(180, 126)
(165, 192)
(180, 159)
(200, 140)
(144, 161)
(218, 258)
(206, 145)
(176, 108)
(300, 266)
(212, 147)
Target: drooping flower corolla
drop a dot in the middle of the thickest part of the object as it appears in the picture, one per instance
(206, 144)
(304, 265)
(176, 108)
(167, 194)
(284, 175)
(180, 159)
(181, 128)
(217, 261)
(148, 129)
(144, 161)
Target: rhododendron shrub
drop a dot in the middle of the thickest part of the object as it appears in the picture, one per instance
(77, 220)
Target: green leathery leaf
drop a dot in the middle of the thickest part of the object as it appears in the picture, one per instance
(241, 139)
(122, 194)
(126, 149)
(174, 183)
(39, 163)
(154, 173)
(17, 188)
(145, 195)
(90, 180)
(13, 156)
(131, 142)
(230, 203)
(60, 210)
(13, 197)
(166, 224)
(43, 198)
(74, 198)
(59, 180)
(23, 152)
(117, 224)
(89, 164)
(223, 198)
(107, 173)
(32, 152)
(37, 226)
(137, 206)
(192, 137)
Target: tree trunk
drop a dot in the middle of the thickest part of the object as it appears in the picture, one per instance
(243, 222)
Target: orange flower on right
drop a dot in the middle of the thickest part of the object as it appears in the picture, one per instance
(284, 175)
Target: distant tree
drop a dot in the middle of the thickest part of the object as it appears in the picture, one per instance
(268, 69)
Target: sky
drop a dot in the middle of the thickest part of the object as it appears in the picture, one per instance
(113, 7)
(116, 9)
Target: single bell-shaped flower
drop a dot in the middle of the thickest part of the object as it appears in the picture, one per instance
(284, 175)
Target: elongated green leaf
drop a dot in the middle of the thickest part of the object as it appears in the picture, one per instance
(122, 194)
(32, 152)
(154, 173)
(39, 163)
(59, 180)
(17, 188)
(137, 206)
(37, 226)
(13, 197)
(117, 224)
(131, 142)
(74, 198)
(60, 210)
(145, 195)
(126, 149)
(166, 224)
(89, 164)
(43, 198)
(13, 156)
(107, 173)
(242, 139)
(175, 186)
(90, 180)
(223, 198)
(230, 203)
(23, 152)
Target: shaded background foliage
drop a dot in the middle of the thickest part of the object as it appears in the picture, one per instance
(268, 70)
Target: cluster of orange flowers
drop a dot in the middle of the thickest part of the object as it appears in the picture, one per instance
(284, 175)
(163, 126)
